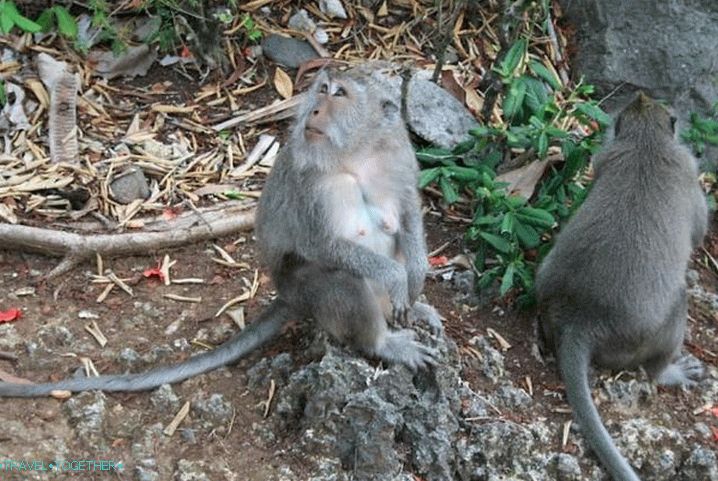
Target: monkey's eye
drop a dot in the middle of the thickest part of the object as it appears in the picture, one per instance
(323, 89)
(340, 92)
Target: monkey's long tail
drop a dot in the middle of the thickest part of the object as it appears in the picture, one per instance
(266, 327)
(574, 360)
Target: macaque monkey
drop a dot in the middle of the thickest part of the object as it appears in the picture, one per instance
(339, 226)
(612, 290)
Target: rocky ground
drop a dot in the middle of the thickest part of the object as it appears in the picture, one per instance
(307, 409)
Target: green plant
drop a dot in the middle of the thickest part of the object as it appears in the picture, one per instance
(510, 233)
(10, 17)
(702, 131)
(3, 95)
(250, 27)
(66, 24)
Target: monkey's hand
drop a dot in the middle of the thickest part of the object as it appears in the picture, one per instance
(399, 296)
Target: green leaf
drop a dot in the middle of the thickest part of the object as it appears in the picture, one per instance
(233, 194)
(434, 154)
(45, 20)
(536, 96)
(542, 145)
(16, 18)
(3, 95)
(65, 22)
(507, 282)
(487, 277)
(515, 201)
(544, 73)
(497, 242)
(6, 22)
(486, 220)
(507, 225)
(464, 174)
(537, 217)
(527, 235)
(514, 98)
(428, 176)
(594, 112)
(448, 190)
(513, 58)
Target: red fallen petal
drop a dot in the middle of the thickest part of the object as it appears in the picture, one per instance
(186, 53)
(169, 213)
(714, 411)
(154, 272)
(10, 315)
(715, 433)
(438, 261)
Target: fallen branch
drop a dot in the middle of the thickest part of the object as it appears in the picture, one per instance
(75, 248)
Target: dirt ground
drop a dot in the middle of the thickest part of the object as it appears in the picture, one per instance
(34, 427)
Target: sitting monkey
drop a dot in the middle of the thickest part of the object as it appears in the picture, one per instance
(339, 226)
(612, 290)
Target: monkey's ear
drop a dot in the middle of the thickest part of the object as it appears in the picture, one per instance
(390, 109)
(673, 123)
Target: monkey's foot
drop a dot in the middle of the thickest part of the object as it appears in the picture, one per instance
(403, 348)
(686, 371)
(428, 315)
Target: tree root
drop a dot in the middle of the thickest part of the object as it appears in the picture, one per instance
(76, 248)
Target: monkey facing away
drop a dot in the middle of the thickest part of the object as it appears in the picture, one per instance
(339, 226)
(612, 290)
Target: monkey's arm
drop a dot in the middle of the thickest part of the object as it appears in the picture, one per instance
(254, 336)
(413, 246)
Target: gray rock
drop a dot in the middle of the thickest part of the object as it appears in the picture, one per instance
(9, 338)
(190, 471)
(435, 115)
(701, 464)
(165, 399)
(669, 49)
(302, 22)
(214, 411)
(54, 336)
(188, 435)
(628, 393)
(287, 51)
(565, 468)
(278, 367)
(129, 358)
(86, 413)
(492, 362)
(130, 185)
(144, 474)
(509, 396)
(332, 8)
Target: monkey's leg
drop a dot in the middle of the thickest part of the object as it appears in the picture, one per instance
(668, 366)
(346, 306)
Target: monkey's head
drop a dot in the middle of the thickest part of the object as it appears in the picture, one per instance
(645, 116)
(344, 111)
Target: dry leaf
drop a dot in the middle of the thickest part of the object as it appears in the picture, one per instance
(473, 101)
(283, 83)
(522, 181)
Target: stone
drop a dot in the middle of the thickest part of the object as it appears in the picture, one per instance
(435, 115)
(332, 9)
(302, 22)
(668, 49)
(129, 186)
(287, 51)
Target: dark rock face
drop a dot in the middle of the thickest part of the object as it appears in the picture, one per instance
(669, 49)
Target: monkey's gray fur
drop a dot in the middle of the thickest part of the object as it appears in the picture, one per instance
(612, 290)
(339, 226)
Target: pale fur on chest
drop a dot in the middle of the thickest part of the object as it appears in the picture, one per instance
(369, 209)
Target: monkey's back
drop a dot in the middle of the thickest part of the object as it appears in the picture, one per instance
(624, 254)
